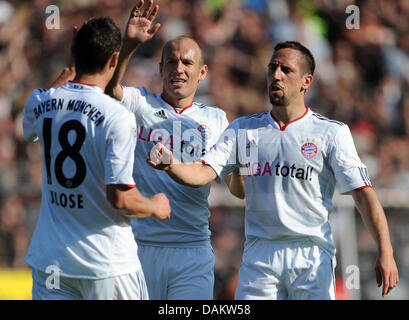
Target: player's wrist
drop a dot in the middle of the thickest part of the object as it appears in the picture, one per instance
(386, 249)
(129, 45)
(155, 212)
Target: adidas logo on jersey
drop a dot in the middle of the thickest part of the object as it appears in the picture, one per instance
(160, 114)
(251, 144)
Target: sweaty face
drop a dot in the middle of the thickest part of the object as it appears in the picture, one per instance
(181, 69)
(285, 77)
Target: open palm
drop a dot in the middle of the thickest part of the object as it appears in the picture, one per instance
(141, 28)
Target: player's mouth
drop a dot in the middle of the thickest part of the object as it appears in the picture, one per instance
(275, 88)
(177, 81)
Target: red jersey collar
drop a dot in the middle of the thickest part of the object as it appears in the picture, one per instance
(283, 128)
(174, 108)
(85, 84)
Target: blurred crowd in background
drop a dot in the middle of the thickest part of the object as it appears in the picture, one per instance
(362, 79)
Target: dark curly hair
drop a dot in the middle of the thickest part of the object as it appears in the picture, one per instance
(94, 44)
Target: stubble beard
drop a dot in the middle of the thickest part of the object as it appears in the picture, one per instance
(277, 101)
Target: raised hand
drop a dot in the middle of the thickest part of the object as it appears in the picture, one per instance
(140, 27)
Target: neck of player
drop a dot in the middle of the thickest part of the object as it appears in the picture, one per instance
(96, 79)
(177, 102)
(288, 113)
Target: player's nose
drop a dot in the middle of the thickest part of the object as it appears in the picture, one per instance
(179, 67)
(276, 74)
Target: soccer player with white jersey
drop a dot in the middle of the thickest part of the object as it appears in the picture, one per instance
(291, 159)
(83, 245)
(176, 255)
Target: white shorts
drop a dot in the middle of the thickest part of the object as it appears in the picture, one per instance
(293, 270)
(178, 273)
(131, 286)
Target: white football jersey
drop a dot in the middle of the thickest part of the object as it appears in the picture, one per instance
(87, 141)
(189, 132)
(290, 173)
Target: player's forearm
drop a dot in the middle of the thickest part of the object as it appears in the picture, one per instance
(235, 184)
(138, 206)
(191, 174)
(374, 218)
(114, 88)
(130, 202)
(68, 74)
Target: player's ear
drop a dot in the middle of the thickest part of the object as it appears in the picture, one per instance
(113, 62)
(203, 72)
(160, 68)
(307, 80)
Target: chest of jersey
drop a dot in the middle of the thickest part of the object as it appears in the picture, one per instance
(190, 134)
(288, 154)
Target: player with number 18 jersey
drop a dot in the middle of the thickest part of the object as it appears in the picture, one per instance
(88, 142)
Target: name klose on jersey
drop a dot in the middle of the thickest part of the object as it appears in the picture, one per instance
(70, 200)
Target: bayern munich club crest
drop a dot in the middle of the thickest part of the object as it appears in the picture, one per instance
(309, 149)
(204, 131)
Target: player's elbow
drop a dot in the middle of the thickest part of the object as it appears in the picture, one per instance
(114, 90)
(116, 202)
(237, 193)
(240, 195)
(116, 197)
(197, 182)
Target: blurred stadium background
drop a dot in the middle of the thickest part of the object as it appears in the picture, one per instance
(362, 79)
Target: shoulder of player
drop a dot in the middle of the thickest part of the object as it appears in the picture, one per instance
(203, 106)
(218, 112)
(322, 119)
(332, 128)
(43, 91)
(253, 118)
(138, 90)
(113, 106)
(139, 98)
(250, 121)
(39, 95)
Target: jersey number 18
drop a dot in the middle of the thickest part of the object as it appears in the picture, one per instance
(68, 150)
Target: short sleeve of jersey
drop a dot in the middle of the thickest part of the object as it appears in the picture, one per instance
(119, 157)
(130, 97)
(350, 172)
(223, 156)
(29, 118)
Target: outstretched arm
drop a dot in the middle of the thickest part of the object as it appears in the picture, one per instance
(374, 218)
(130, 202)
(140, 28)
(193, 174)
(68, 73)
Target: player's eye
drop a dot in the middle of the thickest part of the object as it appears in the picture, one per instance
(285, 69)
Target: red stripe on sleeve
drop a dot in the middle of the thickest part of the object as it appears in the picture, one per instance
(367, 186)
